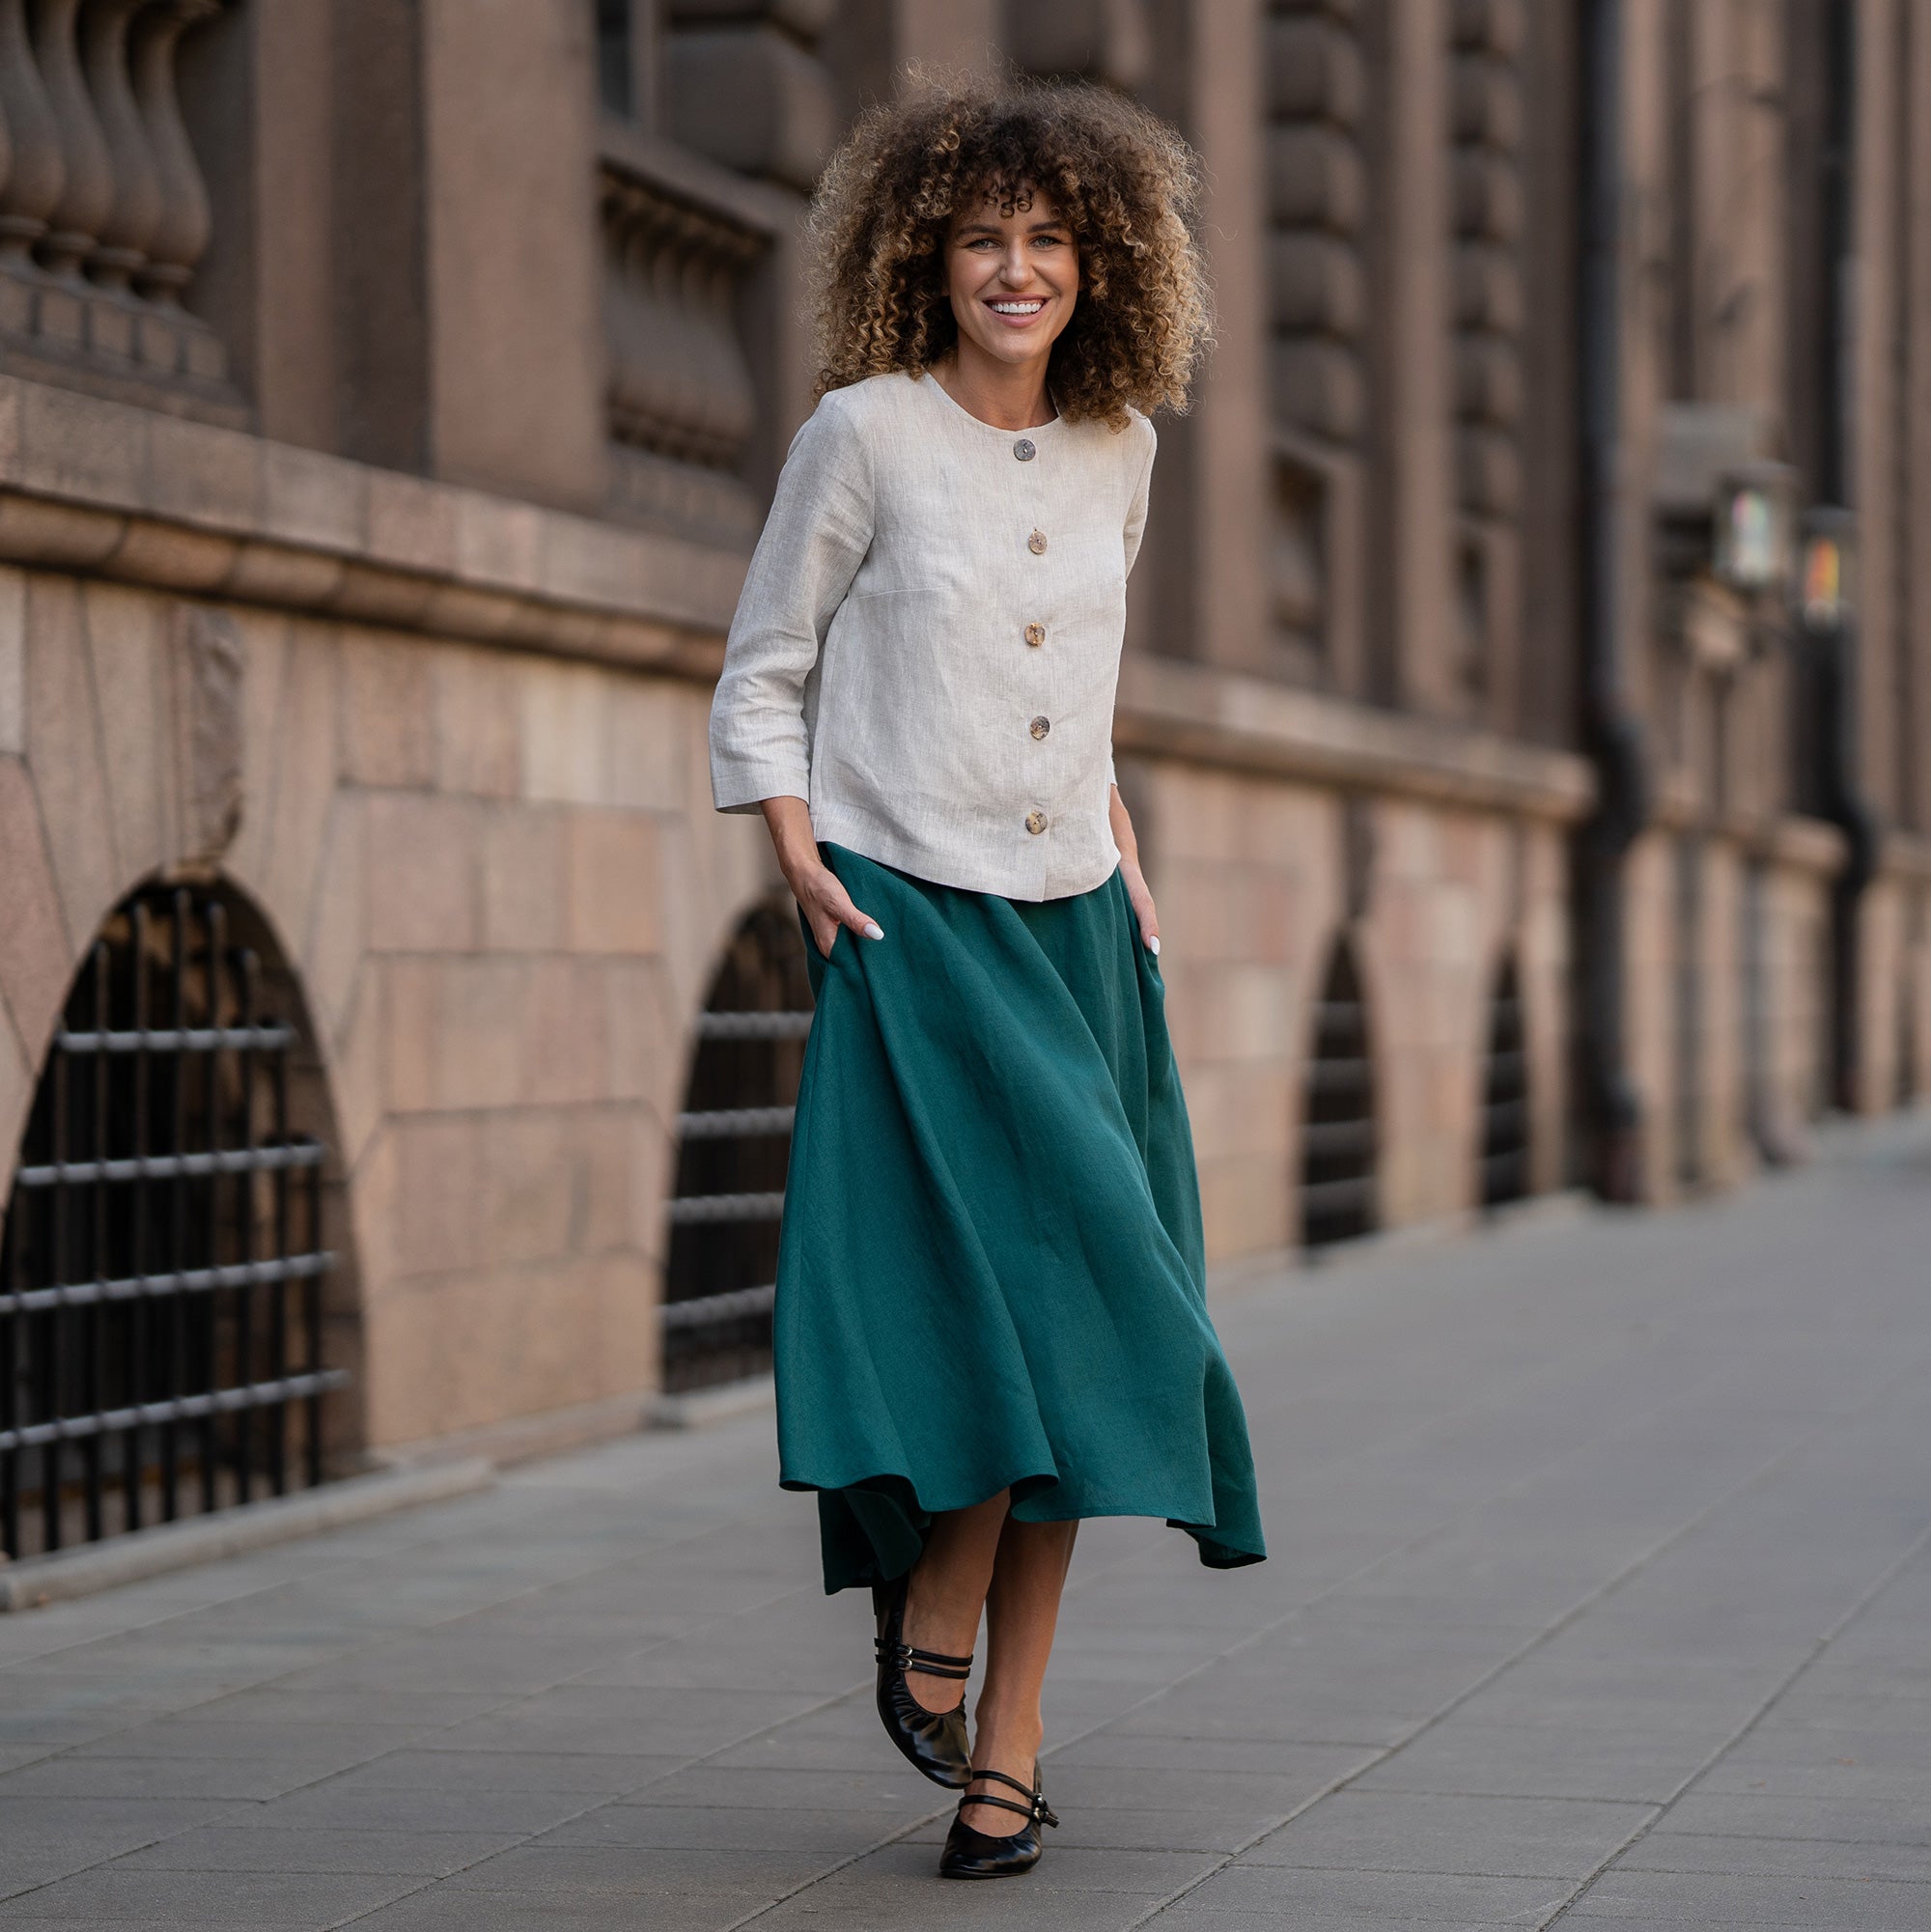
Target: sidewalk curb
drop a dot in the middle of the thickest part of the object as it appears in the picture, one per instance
(232, 1532)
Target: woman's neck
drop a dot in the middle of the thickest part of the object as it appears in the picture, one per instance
(1008, 395)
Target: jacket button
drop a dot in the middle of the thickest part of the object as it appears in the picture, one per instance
(1035, 634)
(1024, 449)
(1036, 542)
(1041, 726)
(1035, 820)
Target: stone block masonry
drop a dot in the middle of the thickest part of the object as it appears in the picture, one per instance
(499, 891)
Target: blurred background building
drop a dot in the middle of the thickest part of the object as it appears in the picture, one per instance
(1526, 711)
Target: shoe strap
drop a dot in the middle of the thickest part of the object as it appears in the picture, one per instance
(1002, 1804)
(1013, 1783)
(1036, 1808)
(928, 1662)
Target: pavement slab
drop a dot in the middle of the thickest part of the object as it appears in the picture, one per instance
(1860, 1904)
(1377, 1897)
(1601, 1591)
(125, 1896)
(282, 1849)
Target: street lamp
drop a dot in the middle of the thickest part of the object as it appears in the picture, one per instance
(1751, 528)
(1823, 591)
(1725, 503)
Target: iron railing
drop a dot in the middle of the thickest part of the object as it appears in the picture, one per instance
(1690, 1041)
(1339, 1139)
(161, 1265)
(1505, 1117)
(733, 1148)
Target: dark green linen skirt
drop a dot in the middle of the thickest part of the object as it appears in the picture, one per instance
(991, 1272)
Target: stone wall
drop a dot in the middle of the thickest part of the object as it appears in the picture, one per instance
(1895, 967)
(1274, 822)
(501, 885)
(1251, 875)
(493, 870)
(1737, 1076)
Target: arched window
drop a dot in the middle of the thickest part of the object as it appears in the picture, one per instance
(165, 1348)
(1337, 1134)
(734, 1145)
(1505, 1173)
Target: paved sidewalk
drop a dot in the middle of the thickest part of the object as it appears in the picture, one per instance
(1601, 1590)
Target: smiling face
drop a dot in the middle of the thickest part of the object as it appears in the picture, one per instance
(1012, 273)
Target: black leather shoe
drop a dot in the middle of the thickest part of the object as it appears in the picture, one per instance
(970, 1854)
(935, 1741)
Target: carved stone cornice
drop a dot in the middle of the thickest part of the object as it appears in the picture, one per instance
(1223, 719)
(109, 489)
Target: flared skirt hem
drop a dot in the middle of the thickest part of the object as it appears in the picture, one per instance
(874, 1528)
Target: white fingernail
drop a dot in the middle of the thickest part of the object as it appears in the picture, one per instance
(872, 929)
(1153, 945)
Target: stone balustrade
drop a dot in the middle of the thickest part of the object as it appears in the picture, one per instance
(1316, 207)
(705, 168)
(103, 210)
(745, 88)
(1318, 303)
(1487, 216)
(683, 242)
(1487, 51)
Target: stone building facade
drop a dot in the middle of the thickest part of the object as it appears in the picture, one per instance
(389, 391)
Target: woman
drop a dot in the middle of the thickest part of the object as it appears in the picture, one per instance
(991, 1315)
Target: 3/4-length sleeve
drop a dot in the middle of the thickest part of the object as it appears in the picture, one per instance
(814, 539)
(1137, 509)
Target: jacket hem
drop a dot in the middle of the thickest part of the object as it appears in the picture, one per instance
(840, 825)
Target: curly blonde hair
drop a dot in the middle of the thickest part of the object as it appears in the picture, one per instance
(1124, 181)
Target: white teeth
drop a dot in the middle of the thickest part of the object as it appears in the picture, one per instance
(1031, 308)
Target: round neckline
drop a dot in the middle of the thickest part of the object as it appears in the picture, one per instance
(952, 402)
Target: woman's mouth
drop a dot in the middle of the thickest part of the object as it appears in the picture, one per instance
(1017, 308)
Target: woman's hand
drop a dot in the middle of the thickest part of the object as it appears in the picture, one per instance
(828, 905)
(1142, 898)
(1130, 869)
(823, 900)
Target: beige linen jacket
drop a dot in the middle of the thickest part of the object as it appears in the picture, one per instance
(928, 643)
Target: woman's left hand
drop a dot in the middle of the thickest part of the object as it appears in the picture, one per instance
(1121, 824)
(1142, 898)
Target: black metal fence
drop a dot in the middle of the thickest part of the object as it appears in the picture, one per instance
(1505, 1119)
(1688, 1023)
(163, 1265)
(733, 1147)
(1338, 1141)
